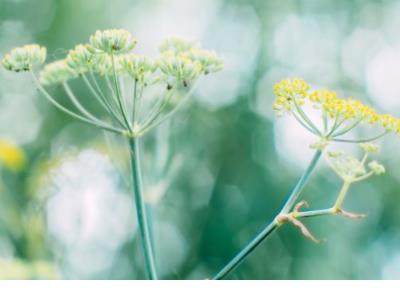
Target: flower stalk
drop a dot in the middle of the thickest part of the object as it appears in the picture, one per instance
(142, 217)
(272, 226)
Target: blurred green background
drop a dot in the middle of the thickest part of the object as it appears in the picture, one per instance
(218, 171)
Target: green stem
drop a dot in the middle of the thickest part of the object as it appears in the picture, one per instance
(99, 95)
(155, 123)
(141, 209)
(347, 129)
(77, 104)
(301, 183)
(134, 102)
(73, 114)
(269, 228)
(342, 194)
(303, 124)
(305, 117)
(264, 233)
(360, 140)
(119, 97)
(314, 213)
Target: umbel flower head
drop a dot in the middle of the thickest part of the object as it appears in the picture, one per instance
(338, 115)
(106, 63)
(112, 41)
(351, 169)
(80, 59)
(139, 67)
(56, 72)
(24, 58)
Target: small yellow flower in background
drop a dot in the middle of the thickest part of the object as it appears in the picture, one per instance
(11, 156)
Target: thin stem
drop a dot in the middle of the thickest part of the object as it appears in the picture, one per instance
(99, 95)
(169, 114)
(269, 228)
(314, 213)
(119, 97)
(365, 176)
(157, 109)
(134, 102)
(325, 121)
(335, 125)
(301, 183)
(77, 104)
(342, 194)
(264, 233)
(361, 140)
(364, 159)
(73, 114)
(303, 124)
(347, 129)
(305, 117)
(141, 209)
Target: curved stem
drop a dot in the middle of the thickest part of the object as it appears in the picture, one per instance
(98, 94)
(157, 109)
(360, 140)
(142, 218)
(172, 112)
(269, 228)
(303, 124)
(347, 129)
(77, 104)
(73, 114)
(335, 125)
(305, 117)
(365, 176)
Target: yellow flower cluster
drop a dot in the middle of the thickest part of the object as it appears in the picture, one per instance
(291, 94)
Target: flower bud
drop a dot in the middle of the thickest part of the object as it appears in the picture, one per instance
(175, 46)
(80, 59)
(112, 41)
(369, 148)
(179, 68)
(209, 60)
(376, 167)
(56, 73)
(139, 67)
(348, 167)
(24, 58)
(335, 154)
